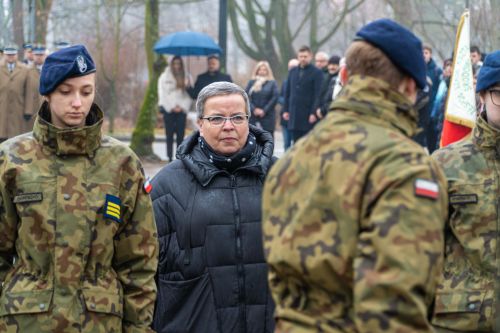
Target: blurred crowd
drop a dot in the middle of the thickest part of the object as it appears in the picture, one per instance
(19, 81)
(304, 97)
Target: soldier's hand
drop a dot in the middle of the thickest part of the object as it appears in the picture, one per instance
(27, 117)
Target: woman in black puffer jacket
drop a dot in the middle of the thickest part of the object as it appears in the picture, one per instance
(212, 276)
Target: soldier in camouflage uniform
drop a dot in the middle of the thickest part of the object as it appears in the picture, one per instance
(465, 298)
(78, 243)
(353, 214)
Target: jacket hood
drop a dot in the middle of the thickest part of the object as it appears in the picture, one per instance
(199, 165)
(373, 98)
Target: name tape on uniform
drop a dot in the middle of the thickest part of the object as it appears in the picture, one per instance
(460, 199)
(28, 197)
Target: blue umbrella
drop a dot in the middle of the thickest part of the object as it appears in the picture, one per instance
(187, 43)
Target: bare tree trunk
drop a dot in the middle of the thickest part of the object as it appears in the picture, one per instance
(42, 12)
(17, 21)
(143, 136)
(267, 34)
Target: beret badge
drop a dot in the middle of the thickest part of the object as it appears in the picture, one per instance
(82, 65)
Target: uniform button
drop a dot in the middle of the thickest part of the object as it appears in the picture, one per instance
(64, 243)
(472, 306)
(66, 196)
(41, 306)
(92, 306)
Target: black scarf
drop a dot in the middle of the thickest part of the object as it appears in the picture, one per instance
(229, 163)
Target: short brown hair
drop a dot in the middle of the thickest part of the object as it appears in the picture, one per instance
(427, 47)
(305, 48)
(362, 58)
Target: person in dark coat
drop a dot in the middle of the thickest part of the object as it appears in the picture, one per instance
(287, 137)
(434, 73)
(212, 75)
(212, 276)
(302, 95)
(328, 85)
(263, 93)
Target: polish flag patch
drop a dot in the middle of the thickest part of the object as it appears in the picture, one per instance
(147, 185)
(427, 189)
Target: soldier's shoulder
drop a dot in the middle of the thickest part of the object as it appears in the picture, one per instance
(455, 152)
(115, 150)
(117, 146)
(14, 145)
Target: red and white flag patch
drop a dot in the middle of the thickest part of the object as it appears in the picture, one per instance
(426, 188)
(147, 186)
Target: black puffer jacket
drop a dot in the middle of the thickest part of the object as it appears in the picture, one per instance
(212, 276)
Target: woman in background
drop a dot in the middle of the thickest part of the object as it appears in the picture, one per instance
(174, 102)
(263, 93)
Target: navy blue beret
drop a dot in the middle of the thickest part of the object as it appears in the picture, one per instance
(399, 44)
(63, 64)
(489, 74)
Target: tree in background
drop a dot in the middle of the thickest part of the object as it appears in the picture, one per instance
(269, 27)
(42, 12)
(114, 12)
(143, 135)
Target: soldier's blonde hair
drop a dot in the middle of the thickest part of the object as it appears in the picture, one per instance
(362, 58)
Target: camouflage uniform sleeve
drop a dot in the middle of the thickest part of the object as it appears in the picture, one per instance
(8, 222)
(400, 248)
(136, 256)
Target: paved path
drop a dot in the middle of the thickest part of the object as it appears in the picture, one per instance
(160, 149)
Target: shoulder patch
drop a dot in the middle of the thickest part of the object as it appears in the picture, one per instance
(460, 199)
(148, 187)
(426, 189)
(112, 208)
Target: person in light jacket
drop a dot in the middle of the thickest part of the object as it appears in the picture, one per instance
(174, 102)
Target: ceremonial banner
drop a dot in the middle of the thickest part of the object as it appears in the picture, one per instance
(460, 114)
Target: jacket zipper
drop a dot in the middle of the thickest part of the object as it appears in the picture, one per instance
(239, 257)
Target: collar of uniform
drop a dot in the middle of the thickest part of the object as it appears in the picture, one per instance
(374, 98)
(69, 141)
(484, 135)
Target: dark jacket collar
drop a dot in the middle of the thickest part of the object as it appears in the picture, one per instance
(69, 141)
(203, 170)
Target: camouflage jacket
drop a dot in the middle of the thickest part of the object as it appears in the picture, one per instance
(465, 299)
(353, 220)
(78, 243)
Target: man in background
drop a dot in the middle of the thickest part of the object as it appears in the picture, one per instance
(213, 74)
(302, 95)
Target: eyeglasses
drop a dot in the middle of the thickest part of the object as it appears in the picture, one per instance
(495, 96)
(238, 119)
